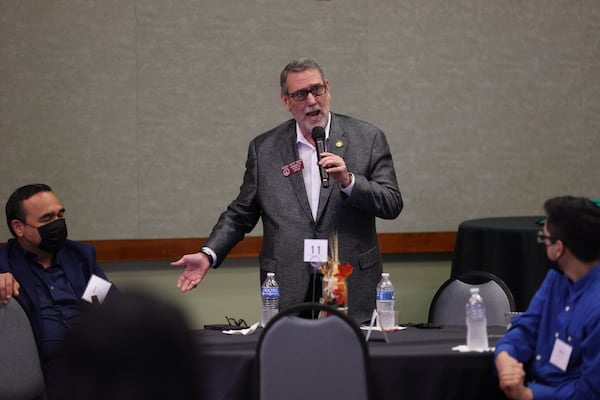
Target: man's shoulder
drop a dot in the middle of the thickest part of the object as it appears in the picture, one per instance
(79, 247)
(4, 248)
(8, 248)
(350, 124)
(287, 126)
(343, 118)
(275, 137)
(592, 287)
(4, 252)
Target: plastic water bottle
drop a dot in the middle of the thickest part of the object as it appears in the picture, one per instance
(477, 338)
(386, 296)
(270, 298)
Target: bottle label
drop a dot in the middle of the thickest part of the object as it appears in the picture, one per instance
(270, 292)
(385, 295)
(476, 311)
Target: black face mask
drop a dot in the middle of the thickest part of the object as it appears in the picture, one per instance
(54, 235)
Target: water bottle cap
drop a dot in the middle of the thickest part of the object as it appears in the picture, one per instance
(385, 274)
(270, 273)
(475, 290)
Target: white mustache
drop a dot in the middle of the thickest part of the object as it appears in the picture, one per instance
(311, 109)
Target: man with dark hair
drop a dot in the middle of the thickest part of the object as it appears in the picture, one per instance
(46, 273)
(282, 186)
(552, 351)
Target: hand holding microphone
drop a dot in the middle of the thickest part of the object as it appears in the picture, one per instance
(332, 164)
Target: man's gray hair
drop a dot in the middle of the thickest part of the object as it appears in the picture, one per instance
(298, 65)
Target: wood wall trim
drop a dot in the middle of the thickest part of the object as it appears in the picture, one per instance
(172, 249)
(418, 242)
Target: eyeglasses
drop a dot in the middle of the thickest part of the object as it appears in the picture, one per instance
(302, 94)
(239, 323)
(541, 238)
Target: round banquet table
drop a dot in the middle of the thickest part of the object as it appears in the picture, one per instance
(506, 247)
(415, 364)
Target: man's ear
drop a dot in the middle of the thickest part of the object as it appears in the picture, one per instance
(18, 226)
(560, 249)
(285, 100)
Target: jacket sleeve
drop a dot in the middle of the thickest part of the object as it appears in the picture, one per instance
(242, 214)
(377, 191)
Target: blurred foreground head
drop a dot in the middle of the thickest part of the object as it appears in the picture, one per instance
(134, 346)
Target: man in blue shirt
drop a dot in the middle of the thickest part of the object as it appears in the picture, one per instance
(552, 351)
(46, 273)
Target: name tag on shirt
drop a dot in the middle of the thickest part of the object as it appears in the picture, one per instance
(96, 287)
(292, 168)
(561, 353)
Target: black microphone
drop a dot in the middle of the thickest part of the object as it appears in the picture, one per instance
(318, 135)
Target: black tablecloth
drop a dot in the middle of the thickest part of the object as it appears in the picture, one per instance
(506, 247)
(416, 364)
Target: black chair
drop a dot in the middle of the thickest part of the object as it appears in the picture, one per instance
(315, 359)
(448, 304)
(20, 369)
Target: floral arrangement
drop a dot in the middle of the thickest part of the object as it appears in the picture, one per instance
(335, 291)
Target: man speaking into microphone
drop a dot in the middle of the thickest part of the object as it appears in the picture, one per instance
(309, 177)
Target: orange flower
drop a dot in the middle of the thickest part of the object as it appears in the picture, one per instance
(334, 273)
(344, 270)
(340, 294)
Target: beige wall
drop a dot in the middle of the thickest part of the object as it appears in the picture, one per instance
(139, 112)
(233, 289)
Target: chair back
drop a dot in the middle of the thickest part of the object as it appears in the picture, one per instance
(448, 304)
(20, 369)
(313, 359)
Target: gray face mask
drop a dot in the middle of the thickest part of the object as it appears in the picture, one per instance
(54, 235)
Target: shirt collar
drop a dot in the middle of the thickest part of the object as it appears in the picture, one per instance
(586, 281)
(32, 257)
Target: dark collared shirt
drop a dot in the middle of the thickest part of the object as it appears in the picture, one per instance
(60, 306)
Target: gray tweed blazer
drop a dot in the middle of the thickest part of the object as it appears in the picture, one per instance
(282, 204)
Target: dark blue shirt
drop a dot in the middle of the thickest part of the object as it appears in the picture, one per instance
(59, 305)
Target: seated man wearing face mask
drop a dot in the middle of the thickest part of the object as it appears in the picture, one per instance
(46, 273)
